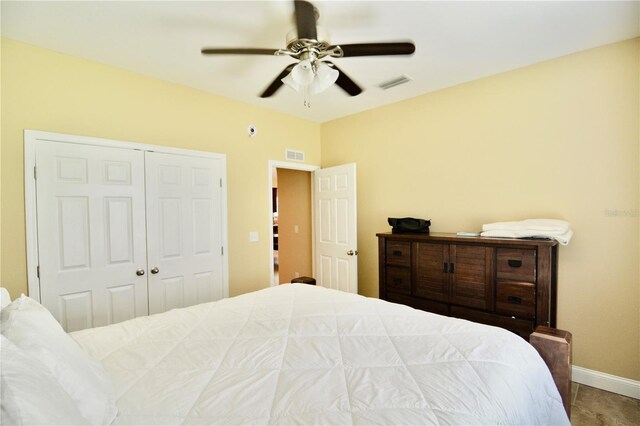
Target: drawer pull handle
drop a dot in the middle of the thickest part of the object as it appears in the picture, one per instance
(451, 268)
(444, 267)
(397, 252)
(514, 300)
(514, 263)
(397, 281)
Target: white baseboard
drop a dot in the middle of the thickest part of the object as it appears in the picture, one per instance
(608, 382)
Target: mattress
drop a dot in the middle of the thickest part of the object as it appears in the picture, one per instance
(301, 354)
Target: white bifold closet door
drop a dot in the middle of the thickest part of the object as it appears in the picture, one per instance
(124, 232)
(91, 233)
(183, 231)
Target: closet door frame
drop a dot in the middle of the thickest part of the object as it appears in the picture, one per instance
(31, 139)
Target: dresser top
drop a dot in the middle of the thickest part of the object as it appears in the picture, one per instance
(450, 237)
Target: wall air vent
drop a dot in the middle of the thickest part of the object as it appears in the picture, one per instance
(394, 82)
(293, 155)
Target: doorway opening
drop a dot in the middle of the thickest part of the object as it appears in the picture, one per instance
(291, 218)
(292, 223)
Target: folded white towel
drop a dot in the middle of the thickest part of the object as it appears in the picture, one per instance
(554, 226)
(562, 238)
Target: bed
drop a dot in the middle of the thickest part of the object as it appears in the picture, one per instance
(291, 354)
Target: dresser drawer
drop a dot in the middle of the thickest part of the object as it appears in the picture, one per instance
(516, 299)
(417, 303)
(516, 264)
(398, 253)
(521, 327)
(398, 279)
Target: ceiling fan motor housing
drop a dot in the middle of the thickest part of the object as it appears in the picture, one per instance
(298, 45)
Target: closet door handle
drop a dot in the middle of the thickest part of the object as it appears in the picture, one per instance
(444, 267)
(140, 272)
(155, 270)
(451, 268)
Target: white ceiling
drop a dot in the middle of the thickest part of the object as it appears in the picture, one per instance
(455, 41)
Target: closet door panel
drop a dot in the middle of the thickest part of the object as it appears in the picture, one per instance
(91, 236)
(184, 230)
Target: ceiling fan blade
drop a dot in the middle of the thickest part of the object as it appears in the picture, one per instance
(305, 20)
(345, 82)
(376, 49)
(237, 51)
(277, 83)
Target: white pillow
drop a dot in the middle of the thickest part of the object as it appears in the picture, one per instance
(5, 297)
(30, 393)
(34, 330)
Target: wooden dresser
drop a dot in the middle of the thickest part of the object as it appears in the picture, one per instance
(510, 283)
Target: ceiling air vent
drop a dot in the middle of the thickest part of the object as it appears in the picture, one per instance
(290, 154)
(394, 82)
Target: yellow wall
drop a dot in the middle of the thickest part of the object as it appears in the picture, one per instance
(294, 208)
(44, 90)
(557, 139)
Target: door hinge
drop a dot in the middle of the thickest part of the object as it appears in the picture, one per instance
(220, 182)
(222, 250)
(38, 271)
(35, 173)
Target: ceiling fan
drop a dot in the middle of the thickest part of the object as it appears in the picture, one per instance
(309, 45)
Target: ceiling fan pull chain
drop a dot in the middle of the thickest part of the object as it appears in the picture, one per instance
(307, 96)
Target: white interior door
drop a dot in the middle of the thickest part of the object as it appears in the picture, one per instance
(184, 230)
(336, 237)
(91, 233)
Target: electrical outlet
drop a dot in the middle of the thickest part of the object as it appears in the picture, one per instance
(295, 229)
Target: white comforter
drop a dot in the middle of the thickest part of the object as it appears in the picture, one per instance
(301, 354)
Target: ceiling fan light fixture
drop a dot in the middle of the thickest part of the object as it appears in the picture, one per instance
(290, 82)
(317, 77)
(325, 77)
(301, 76)
(303, 73)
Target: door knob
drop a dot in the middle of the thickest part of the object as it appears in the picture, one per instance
(140, 272)
(155, 270)
(350, 253)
